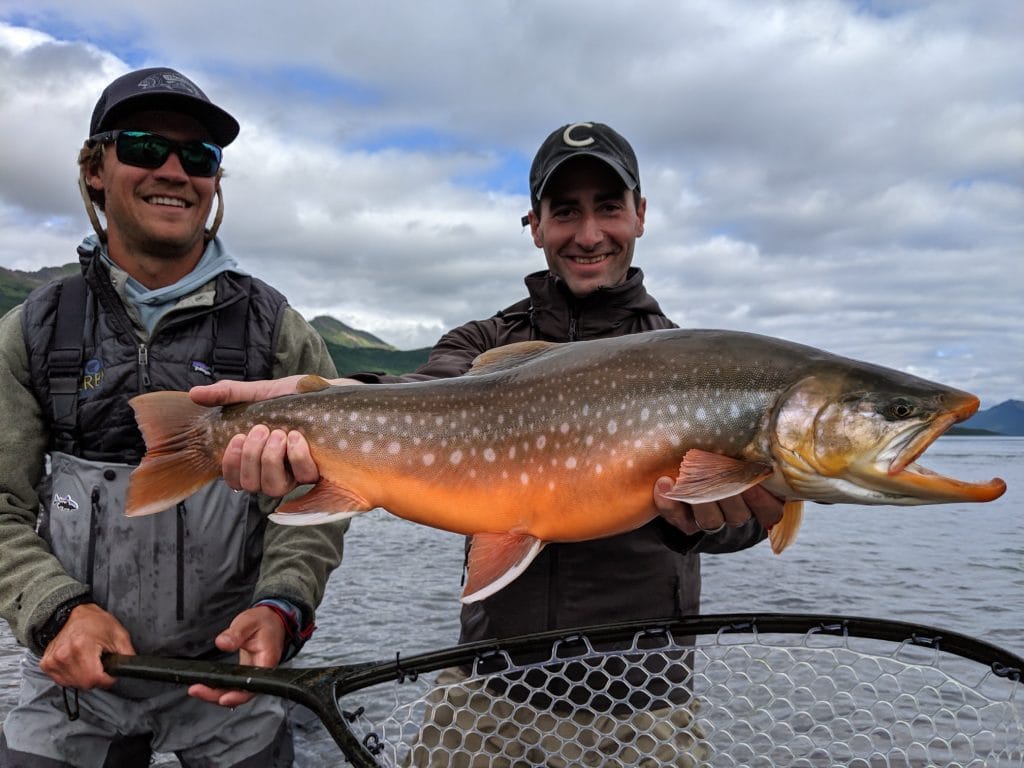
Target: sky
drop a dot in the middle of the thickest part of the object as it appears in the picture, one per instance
(843, 174)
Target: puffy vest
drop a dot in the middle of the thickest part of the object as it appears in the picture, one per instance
(176, 578)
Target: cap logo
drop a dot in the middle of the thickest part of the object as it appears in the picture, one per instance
(571, 142)
(170, 81)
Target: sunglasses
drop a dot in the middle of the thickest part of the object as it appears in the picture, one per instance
(151, 150)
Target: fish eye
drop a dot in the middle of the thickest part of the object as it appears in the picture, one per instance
(899, 409)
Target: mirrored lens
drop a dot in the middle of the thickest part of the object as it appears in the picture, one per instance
(151, 150)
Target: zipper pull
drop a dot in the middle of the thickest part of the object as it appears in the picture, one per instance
(144, 367)
(572, 329)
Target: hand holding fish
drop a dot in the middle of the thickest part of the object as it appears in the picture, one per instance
(731, 512)
(267, 461)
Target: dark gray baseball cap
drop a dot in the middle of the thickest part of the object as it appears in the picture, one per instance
(160, 88)
(582, 139)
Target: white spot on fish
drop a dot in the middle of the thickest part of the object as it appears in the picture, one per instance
(645, 414)
(512, 452)
(598, 469)
(367, 446)
(382, 419)
(394, 448)
(565, 427)
(428, 459)
(613, 427)
(541, 441)
(343, 444)
(456, 457)
(570, 463)
(524, 478)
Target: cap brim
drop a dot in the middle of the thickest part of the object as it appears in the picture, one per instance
(223, 127)
(627, 178)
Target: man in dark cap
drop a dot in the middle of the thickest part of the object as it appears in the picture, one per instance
(586, 215)
(159, 304)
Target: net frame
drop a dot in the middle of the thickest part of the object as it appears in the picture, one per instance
(375, 711)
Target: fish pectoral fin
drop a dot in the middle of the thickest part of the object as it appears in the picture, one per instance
(311, 383)
(705, 476)
(323, 502)
(508, 356)
(783, 533)
(495, 560)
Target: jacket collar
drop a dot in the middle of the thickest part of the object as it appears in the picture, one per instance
(553, 308)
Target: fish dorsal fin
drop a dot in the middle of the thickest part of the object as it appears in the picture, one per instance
(495, 560)
(783, 533)
(705, 476)
(311, 383)
(508, 356)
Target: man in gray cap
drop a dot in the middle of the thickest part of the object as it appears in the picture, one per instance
(586, 215)
(159, 304)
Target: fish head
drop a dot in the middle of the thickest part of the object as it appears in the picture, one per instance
(854, 434)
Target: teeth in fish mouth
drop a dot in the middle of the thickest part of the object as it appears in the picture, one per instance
(167, 201)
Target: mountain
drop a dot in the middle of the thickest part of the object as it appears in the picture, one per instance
(15, 285)
(1007, 418)
(353, 350)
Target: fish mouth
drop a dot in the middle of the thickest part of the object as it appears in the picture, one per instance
(906, 477)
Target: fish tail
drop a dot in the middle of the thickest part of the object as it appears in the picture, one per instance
(180, 457)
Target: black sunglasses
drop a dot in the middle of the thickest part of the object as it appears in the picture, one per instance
(144, 149)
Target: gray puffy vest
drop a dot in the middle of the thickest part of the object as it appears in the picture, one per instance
(177, 578)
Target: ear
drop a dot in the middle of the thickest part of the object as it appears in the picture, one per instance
(534, 220)
(641, 211)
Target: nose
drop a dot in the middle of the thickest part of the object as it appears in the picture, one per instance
(589, 233)
(172, 167)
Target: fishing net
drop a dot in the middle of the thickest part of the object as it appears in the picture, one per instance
(736, 697)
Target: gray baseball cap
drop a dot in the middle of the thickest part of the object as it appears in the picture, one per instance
(160, 88)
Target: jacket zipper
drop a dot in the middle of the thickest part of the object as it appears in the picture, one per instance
(143, 361)
(179, 607)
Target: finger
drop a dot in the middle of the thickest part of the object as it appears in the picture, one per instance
(677, 513)
(735, 511)
(224, 392)
(231, 463)
(304, 469)
(709, 516)
(222, 696)
(766, 506)
(250, 472)
(275, 474)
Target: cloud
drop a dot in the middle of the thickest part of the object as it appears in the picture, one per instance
(844, 174)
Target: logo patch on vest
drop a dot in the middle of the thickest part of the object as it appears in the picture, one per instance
(198, 366)
(92, 376)
(64, 502)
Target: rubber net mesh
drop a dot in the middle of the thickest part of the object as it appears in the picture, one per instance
(721, 700)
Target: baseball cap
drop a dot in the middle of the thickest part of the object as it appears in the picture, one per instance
(577, 140)
(160, 88)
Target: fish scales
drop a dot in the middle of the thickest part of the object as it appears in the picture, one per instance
(546, 442)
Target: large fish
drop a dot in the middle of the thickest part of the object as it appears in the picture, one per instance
(545, 442)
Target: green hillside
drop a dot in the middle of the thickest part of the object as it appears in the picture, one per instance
(15, 285)
(351, 349)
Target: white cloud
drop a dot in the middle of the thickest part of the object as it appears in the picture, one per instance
(845, 174)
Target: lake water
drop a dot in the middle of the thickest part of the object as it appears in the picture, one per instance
(955, 567)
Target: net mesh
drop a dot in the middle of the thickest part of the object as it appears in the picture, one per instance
(720, 700)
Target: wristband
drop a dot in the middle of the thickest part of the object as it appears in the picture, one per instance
(290, 615)
(53, 625)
